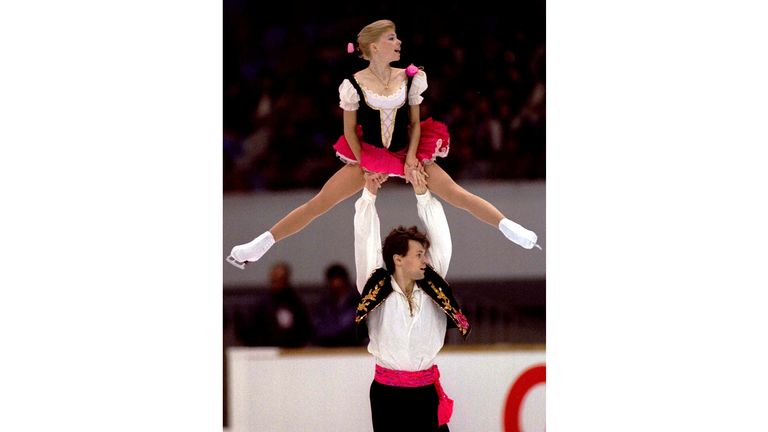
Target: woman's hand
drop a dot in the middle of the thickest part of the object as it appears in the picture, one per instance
(373, 181)
(411, 165)
(419, 182)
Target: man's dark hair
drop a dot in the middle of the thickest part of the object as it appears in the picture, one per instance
(336, 270)
(396, 243)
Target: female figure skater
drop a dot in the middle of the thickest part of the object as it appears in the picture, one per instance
(383, 134)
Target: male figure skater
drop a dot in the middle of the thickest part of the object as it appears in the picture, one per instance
(408, 305)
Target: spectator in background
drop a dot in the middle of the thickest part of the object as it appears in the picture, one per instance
(334, 319)
(281, 318)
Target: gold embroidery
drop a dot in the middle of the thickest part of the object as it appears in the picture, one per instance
(449, 310)
(446, 303)
(365, 301)
(360, 318)
(371, 296)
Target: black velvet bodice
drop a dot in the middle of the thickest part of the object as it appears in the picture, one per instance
(370, 120)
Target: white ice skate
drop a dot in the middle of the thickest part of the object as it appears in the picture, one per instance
(517, 234)
(251, 251)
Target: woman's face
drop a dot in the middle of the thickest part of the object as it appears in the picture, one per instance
(388, 46)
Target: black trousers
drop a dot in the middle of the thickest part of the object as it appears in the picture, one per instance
(404, 409)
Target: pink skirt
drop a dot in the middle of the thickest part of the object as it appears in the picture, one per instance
(433, 143)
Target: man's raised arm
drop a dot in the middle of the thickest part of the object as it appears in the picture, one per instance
(367, 230)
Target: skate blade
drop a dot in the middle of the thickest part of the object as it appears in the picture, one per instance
(236, 263)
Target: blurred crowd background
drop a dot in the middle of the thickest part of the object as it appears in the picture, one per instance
(282, 71)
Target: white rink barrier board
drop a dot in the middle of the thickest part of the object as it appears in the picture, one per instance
(494, 388)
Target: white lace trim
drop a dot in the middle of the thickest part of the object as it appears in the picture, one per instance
(438, 152)
(349, 161)
(346, 160)
(349, 99)
(393, 101)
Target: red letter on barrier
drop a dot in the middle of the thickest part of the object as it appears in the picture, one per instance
(529, 378)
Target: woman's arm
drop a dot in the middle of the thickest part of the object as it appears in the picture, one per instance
(350, 133)
(411, 161)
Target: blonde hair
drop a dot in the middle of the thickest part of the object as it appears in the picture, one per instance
(370, 34)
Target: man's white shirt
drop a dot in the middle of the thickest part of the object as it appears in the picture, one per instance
(402, 339)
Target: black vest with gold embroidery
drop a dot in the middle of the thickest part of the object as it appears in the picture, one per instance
(370, 119)
(379, 287)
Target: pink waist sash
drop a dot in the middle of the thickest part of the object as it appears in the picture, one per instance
(425, 377)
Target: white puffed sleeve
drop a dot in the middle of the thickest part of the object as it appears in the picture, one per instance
(418, 85)
(349, 100)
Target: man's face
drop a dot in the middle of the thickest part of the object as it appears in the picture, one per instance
(415, 261)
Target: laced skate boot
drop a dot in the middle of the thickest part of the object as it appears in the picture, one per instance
(251, 251)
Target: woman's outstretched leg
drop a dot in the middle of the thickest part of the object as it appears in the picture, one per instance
(346, 182)
(443, 186)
